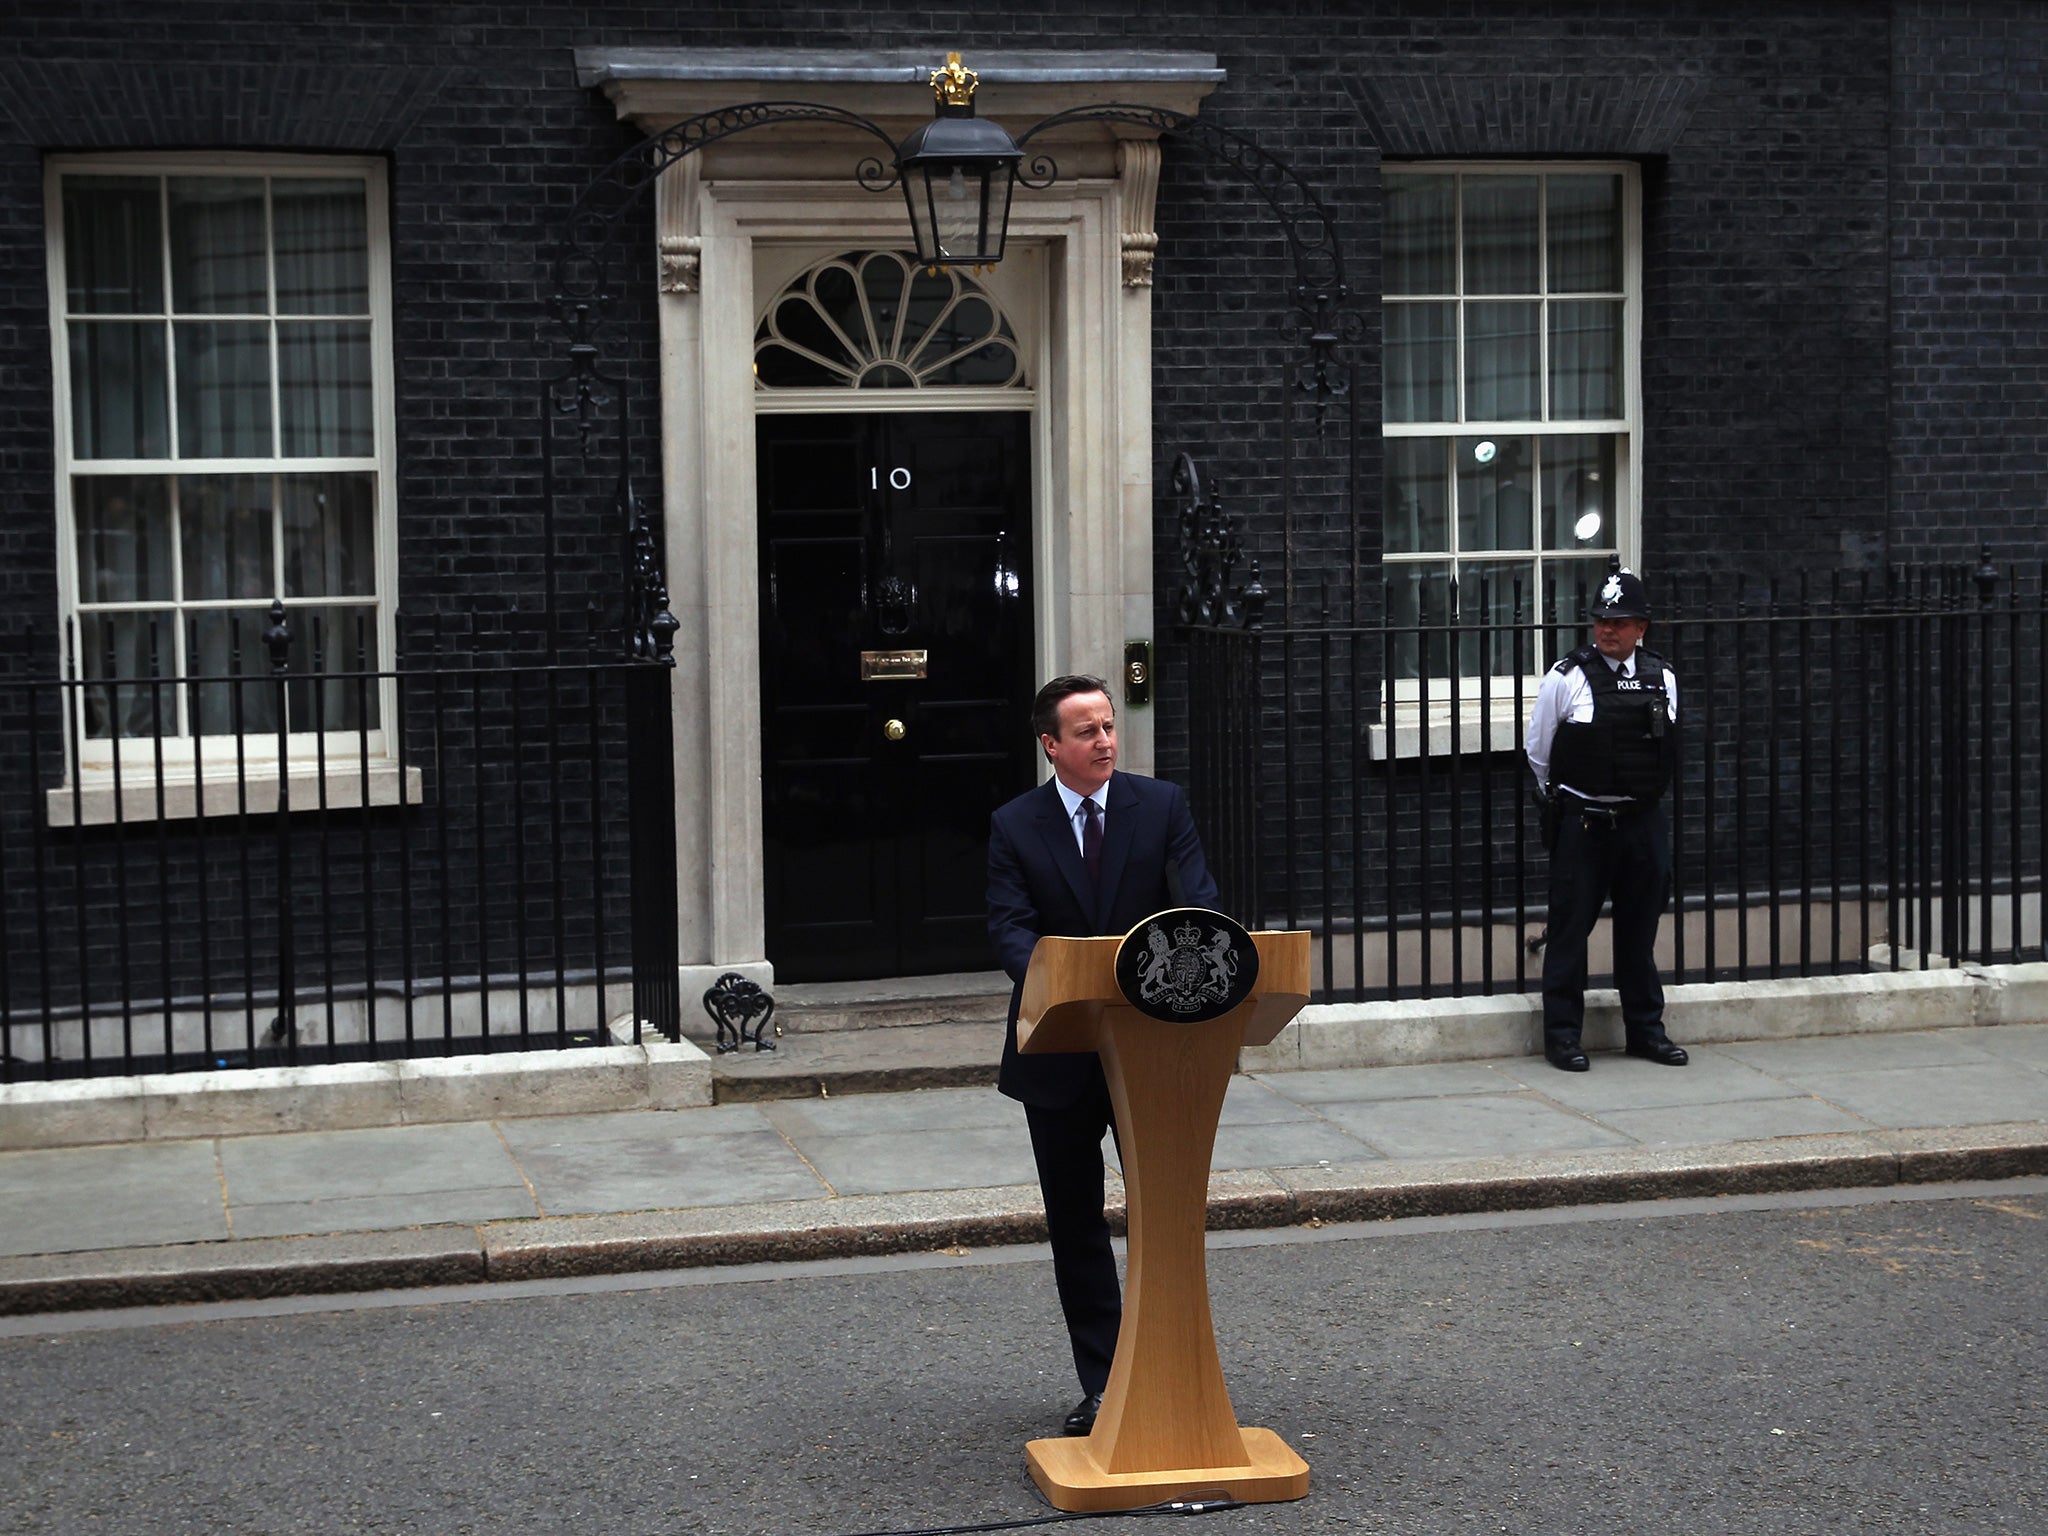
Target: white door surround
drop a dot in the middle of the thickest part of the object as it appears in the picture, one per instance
(729, 218)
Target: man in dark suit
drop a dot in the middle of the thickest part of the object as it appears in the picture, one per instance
(1090, 852)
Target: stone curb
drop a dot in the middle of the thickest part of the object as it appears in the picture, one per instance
(241, 1270)
(850, 1226)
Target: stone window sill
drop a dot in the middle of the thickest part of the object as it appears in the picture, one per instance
(90, 802)
(1417, 732)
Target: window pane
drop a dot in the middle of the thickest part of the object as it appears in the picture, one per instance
(1418, 496)
(323, 247)
(323, 388)
(994, 364)
(131, 653)
(1501, 361)
(883, 281)
(329, 539)
(225, 527)
(1495, 508)
(333, 650)
(1585, 234)
(1500, 234)
(118, 399)
(1421, 348)
(124, 538)
(929, 293)
(1494, 604)
(1419, 242)
(223, 390)
(971, 322)
(218, 253)
(1418, 609)
(777, 367)
(799, 322)
(1585, 360)
(113, 245)
(1578, 493)
(228, 643)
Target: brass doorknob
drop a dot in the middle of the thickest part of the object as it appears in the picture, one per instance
(893, 730)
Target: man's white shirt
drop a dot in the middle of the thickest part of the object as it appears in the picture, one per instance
(1567, 695)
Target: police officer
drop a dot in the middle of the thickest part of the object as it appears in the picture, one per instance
(1603, 743)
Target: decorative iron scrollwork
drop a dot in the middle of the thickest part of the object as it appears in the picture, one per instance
(734, 1003)
(1210, 552)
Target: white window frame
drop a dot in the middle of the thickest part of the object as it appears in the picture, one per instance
(210, 787)
(1424, 725)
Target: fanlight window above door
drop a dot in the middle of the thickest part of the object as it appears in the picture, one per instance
(878, 320)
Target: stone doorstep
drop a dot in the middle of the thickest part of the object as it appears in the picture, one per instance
(951, 1055)
(553, 1247)
(896, 1002)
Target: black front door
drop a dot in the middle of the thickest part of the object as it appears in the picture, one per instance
(896, 677)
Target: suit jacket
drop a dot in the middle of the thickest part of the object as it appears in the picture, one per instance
(1037, 885)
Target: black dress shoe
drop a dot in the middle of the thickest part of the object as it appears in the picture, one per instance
(1082, 1420)
(1663, 1052)
(1566, 1058)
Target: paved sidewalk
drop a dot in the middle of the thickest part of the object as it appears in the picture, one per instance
(936, 1167)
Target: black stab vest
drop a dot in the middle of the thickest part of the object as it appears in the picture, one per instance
(1630, 746)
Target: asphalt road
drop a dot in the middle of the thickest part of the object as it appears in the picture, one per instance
(1788, 1366)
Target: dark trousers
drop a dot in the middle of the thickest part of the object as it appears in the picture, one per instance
(1628, 858)
(1067, 1143)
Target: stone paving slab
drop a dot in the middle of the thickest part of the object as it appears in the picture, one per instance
(1489, 1126)
(382, 1160)
(1629, 1083)
(135, 1195)
(733, 1168)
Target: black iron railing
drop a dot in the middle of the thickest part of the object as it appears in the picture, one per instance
(442, 857)
(1860, 785)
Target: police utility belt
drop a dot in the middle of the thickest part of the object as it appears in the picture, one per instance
(1601, 813)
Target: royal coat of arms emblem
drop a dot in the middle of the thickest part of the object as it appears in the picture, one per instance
(1187, 965)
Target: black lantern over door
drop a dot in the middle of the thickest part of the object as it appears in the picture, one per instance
(957, 171)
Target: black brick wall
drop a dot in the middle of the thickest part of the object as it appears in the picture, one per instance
(1969, 280)
(1842, 348)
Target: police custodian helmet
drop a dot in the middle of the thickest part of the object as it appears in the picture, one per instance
(1622, 596)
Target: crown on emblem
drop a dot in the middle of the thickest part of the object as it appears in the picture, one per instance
(1185, 935)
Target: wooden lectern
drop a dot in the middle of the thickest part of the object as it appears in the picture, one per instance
(1166, 1427)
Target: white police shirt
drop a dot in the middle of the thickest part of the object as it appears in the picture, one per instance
(1566, 695)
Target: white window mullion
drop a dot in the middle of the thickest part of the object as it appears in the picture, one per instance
(176, 660)
(1543, 298)
(270, 321)
(163, 190)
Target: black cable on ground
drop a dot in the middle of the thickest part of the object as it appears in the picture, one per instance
(1187, 1504)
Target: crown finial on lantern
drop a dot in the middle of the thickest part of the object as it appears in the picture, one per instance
(954, 85)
